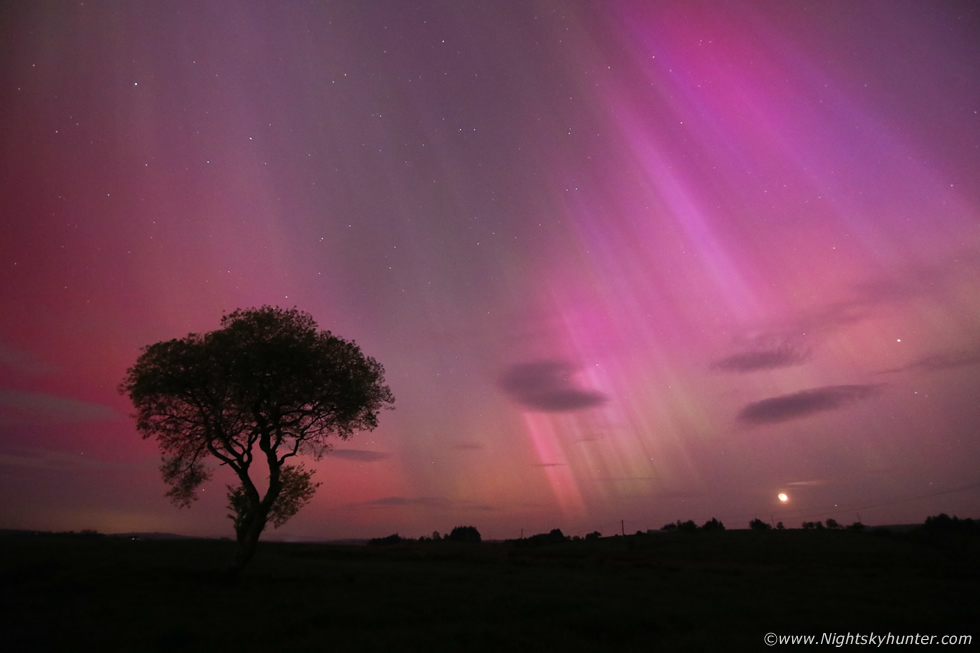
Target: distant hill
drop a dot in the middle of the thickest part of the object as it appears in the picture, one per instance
(15, 532)
(154, 536)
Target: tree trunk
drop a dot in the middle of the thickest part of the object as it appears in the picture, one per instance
(248, 532)
(251, 515)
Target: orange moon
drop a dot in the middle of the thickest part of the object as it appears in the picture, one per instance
(782, 496)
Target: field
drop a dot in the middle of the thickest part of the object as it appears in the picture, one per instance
(711, 591)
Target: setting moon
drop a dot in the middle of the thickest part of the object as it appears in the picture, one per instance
(782, 496)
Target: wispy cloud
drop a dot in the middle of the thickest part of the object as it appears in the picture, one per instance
(862, 300)
(784, 355)
(359, 455)
(34, 458)
(547, 386)
(24, 362)
(939, 362)
(805, 403)
(425, 502)
(26, 407)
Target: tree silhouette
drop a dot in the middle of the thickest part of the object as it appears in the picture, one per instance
(759, 525)
(464, 534)
(713, 525)
(264, 388)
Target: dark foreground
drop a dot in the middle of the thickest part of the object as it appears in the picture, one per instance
(673, 591)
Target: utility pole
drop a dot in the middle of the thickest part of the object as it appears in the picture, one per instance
(622, 526)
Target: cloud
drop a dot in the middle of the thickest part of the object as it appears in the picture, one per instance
(359, 455)
(33, 458)
(547, 386)
(939, 362)
(405, 501)
(24, 362)
(23, 407)
(425, 502)
(784, 355)
(804, 403)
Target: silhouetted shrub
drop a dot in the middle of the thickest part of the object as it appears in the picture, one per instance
(809, 525)
(779, 526)
(833, 525)
(464, 534)
(856, 527)
(594, 535)
(713, 525)
(688, 526)
(759, 525)
(669, 527)
(554, 537)
(386, 541)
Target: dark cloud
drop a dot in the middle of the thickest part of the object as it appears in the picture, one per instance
(36, 458)
(405, 501)
(939, 362)
(902, 286)
(806, 402)
(24, 362)
(427, 502)
(763, 359)
(360, 455)
(24, 407)
(590, 438)
(547, 386)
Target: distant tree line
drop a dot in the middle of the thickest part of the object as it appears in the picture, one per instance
(689, 526)
(555, 536)
(832, 525)
(943, 523)
(458, 534)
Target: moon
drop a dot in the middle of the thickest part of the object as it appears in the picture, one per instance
(782, 496)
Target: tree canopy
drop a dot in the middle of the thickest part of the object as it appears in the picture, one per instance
(265, 387)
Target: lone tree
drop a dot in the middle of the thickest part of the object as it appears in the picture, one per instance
(264, 388)
(464, 534)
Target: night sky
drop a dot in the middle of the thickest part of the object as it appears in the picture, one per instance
(638, 261)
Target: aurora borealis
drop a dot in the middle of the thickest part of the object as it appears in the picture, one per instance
(637, 261)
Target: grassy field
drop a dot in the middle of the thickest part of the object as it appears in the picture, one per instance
(717, 591)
